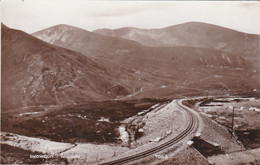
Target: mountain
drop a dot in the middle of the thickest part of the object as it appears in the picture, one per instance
(83, 41)
(160, 71)
(194, 34)
(37, 73)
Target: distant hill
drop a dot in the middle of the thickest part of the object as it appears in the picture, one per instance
(194, 34)
(160, 71)
(83, 41)
(37, 73)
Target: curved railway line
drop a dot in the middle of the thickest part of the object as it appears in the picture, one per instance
(191, 126)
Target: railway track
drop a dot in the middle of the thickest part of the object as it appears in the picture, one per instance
(191, 126)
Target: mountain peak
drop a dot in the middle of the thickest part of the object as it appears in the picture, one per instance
(3, 26)
(64, 26)
(59, 33)
(195, 24)
(61, 28)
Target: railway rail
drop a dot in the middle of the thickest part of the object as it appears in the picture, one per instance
(191, 126)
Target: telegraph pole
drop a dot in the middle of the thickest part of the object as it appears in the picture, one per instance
(232, 127)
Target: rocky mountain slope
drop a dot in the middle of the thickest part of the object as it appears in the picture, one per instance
(37, 73)
(194, 34)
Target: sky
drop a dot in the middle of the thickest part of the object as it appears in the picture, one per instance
(34, 15)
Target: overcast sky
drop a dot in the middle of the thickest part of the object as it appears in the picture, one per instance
(34, 15)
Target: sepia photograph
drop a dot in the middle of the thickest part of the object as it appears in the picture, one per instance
(130, 82)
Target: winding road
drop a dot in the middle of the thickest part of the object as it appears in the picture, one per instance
(192, 125)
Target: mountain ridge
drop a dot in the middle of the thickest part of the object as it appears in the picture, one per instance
(82, 40)
(170, 26)
(194, 34)
(153, 67)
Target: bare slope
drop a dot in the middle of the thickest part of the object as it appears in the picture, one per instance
(194, 34)
(37, 73)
